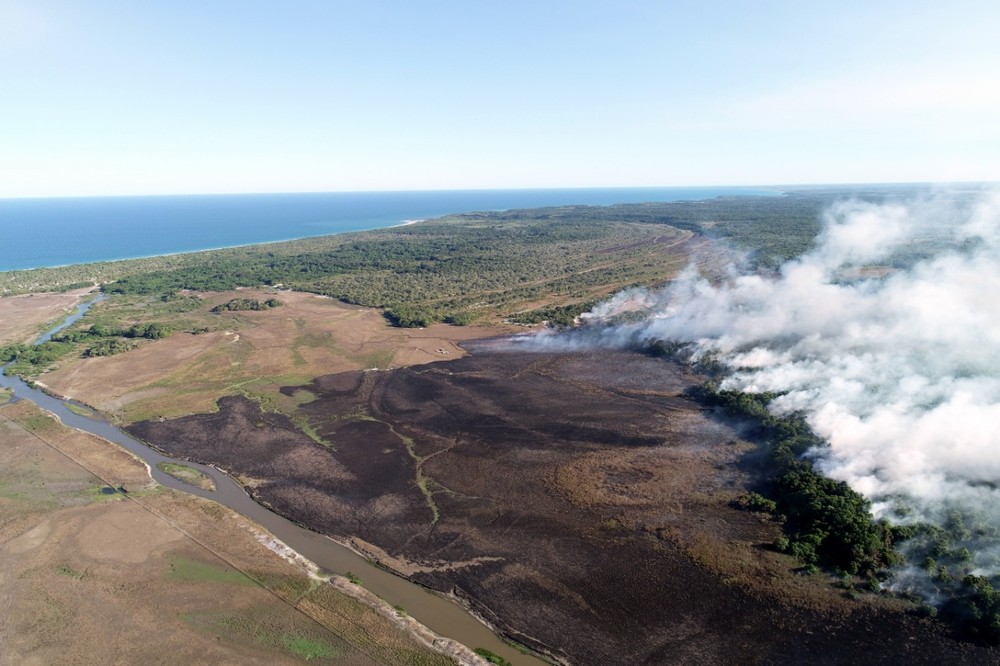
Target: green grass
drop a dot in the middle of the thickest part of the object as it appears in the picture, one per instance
(187, 474)
(99, 494)
(423, 482)
(186, 570)
(39, 423)
(66, 570)
(302, 397)
(7, 492)
(80, 410)
(491, 656)
(308, 648)
(272, 628)
(379, 359)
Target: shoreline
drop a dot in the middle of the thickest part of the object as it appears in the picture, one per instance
(395, 208)
(200, 250)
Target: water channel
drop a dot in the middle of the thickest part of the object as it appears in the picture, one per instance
(436, 612)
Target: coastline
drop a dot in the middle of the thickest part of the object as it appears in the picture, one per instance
(90, 228)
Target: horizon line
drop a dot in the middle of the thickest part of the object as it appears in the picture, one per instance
(504, 189)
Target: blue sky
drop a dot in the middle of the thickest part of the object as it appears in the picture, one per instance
(104, 97)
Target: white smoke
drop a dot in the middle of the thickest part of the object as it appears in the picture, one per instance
(898, 371)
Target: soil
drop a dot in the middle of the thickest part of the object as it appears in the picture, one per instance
(577, 501)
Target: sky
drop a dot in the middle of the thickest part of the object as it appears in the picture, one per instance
(184, 96)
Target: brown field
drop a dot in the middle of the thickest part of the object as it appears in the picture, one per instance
(250, 353)
(155, 576)
(585, 513)
(23, 318)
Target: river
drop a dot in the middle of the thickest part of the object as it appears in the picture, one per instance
(440, 614)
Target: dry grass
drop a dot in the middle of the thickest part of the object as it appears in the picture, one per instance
(23, 318)
(252, 353)
(180, 579)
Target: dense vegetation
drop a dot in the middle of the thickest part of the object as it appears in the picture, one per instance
(518, 264)
(246, 304)
(465, 266)
(826, 522)
(556, 315)
(972, 600)
(99, 340)
(453, 270)
(491, 656)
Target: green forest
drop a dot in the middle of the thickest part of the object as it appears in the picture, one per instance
(828, 524)
(520, 264)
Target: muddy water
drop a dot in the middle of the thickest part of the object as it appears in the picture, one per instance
(434, 611)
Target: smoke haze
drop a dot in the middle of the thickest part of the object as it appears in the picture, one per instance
(898, 369)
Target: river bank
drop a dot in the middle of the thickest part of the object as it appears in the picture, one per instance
(324, 554)
(588, 515)
(181, 576)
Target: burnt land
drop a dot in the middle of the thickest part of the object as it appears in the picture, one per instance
(577, 501)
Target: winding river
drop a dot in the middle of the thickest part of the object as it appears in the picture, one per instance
(440, 614)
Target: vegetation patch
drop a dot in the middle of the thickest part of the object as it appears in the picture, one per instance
(826, 522)
(39, 423)
(455, 270)
(972, 601)
(193, 571)
(79, 410)
(102, 492)
(829, 524)
(557, 315)
(491, 656)
(264, 628)
(305, 647)
(66, 570)
(33, 358)
(110, 347)
(99, 339)
(246, 304)
(187, 474)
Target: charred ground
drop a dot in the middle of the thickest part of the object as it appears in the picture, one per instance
(578, 501)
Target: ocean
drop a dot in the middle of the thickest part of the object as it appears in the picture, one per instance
(63, 231)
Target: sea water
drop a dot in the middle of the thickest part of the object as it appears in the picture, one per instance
(62, 231)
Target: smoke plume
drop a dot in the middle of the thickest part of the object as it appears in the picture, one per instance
(886, 336)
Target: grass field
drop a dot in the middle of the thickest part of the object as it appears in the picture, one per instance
(247, 353)
(173, 574)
